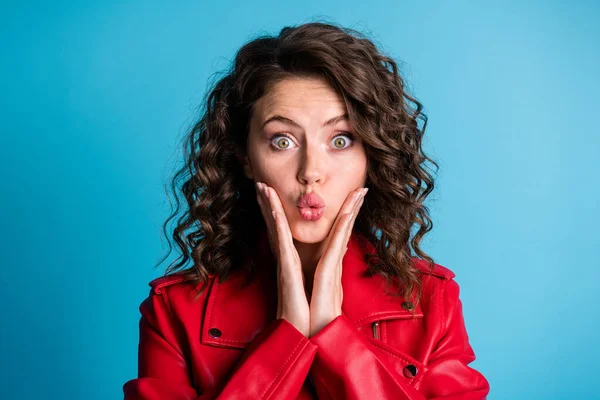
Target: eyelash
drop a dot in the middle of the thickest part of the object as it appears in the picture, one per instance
(351, 136)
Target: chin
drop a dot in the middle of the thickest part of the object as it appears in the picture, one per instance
(307, 234)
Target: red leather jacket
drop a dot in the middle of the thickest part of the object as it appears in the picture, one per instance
(228, 344)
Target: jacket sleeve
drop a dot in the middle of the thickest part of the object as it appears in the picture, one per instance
(348, 366)
(274, 366)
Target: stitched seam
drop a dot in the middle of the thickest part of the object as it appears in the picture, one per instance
(422, 368)
(209, 315)
(210, 309)
(442, 298)
(383, 314)
(228, 341)
(158, 288)
(175, 345)
(384, 335)
(407, 361)
(168, 304)
(159, 334)
(284, 367)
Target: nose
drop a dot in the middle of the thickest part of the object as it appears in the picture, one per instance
(311, 167)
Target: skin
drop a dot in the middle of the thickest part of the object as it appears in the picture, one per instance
(313, 158)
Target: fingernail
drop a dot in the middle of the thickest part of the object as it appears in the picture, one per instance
(365, 190)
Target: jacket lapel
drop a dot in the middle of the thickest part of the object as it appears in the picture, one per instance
(365, 297)
(236, 314)
(239, 312)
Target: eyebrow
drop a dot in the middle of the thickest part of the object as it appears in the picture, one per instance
(285, 120)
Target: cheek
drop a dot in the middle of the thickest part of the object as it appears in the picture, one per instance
(264, 160)
(353, 171)
(278, 177)
(358, 169)
(260, 164)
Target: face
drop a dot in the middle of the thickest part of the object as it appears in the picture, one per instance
(293, 149)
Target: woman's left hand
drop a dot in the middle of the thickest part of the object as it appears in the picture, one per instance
(327, 295)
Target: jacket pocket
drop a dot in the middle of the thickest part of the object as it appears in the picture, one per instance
(405, 366)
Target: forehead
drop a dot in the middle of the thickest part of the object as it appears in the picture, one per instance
(291, 94)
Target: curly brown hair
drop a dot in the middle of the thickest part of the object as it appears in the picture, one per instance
(218, 229)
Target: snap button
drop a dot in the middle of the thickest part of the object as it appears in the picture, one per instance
(214, 332)
(410, 371)
(407, 305)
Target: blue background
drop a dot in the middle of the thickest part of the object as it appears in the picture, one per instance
(96, 95)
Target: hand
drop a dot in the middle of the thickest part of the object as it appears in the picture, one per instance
(326, 300)
(327, 294)
(292, 304)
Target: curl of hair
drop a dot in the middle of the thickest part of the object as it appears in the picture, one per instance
(217, 230)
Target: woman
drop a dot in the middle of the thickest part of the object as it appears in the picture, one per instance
(302, 286)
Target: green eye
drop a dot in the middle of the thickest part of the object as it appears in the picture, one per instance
(340, 142)
(282, 142)
(285, 141)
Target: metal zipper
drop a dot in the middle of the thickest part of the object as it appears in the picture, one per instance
(375, 330)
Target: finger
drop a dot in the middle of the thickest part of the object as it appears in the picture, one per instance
(349, 206)
(283, 228)
(263, 206)
(346, 208)
(355, 212)
(336, 239)
(348, 227)
(268, 216)
(351, 201)
(339, 242)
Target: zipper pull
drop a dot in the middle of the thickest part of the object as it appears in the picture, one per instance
(375, 327)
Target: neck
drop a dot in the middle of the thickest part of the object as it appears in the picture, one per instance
(310, 254)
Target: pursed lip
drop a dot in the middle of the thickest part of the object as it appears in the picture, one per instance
(312, 200)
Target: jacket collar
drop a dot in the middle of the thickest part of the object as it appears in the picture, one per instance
(236, 314)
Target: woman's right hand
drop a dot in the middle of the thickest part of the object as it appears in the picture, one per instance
(292, 304)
